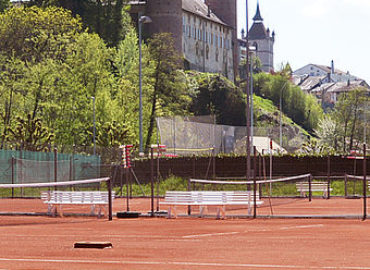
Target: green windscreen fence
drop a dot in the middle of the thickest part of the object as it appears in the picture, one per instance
(39, 167)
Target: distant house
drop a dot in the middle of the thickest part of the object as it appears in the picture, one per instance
(326, 82)
(329, 93)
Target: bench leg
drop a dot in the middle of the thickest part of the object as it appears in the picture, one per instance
(201, 210)
(52, 210)
(221, 212)
(92, 212)
(172, 209)
(61, 210)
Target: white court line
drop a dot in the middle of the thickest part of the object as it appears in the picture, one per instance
(302, 227)
(209, 234)
(198, 264)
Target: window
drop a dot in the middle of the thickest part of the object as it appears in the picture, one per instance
(184, 24)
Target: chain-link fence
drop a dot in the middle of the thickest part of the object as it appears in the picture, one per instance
(200, 135)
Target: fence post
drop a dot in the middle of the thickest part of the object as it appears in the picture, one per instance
(329, 178)
(254, 183)
(12, 176)
(364, 183)
(109, 184)
(152, 181)
(193, 166)
(310, 187)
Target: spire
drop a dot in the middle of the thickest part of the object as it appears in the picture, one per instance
(258, 17)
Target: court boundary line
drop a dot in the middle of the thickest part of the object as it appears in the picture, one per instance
(179, 263)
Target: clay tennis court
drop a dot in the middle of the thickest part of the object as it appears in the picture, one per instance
(37, 242)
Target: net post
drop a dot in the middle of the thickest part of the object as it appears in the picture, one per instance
(189, 189)
(310, 187)
(109, 186)
(254, 183)
(328, 178)
(127, 190)
(55, 166)
(345, 186)
(152, 181)
(364, 183)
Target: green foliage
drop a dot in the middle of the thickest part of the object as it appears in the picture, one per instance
(169, 85)
(33, 34)
(31, 135)
(171, 183)
(302, 108)
(214, 94)
(4, 4)
(105, 17)
(349, 116)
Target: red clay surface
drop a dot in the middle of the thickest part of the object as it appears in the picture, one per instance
(158, 243)
(30, 242)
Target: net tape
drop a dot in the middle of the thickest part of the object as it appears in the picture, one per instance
(358, 177)
(285, 179)
(55, 184)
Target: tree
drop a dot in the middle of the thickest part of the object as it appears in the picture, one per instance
(215, 95)
(327, 133)
(169, 88)
(347, 114)
(4, 4)
(54, 82)
(34, 34)
(31, 135)
(304, 109)
(104, 17)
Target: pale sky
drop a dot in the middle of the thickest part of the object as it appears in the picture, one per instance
(316, 32)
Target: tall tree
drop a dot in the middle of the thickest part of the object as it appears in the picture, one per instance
(348, 112)
(4, 4)
(169, 88)
(104, 17)
(34, 34)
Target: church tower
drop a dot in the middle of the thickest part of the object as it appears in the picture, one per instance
(263, 41)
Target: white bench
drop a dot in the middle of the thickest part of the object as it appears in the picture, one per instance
(58, 198)
(219, 199)
(303, 188)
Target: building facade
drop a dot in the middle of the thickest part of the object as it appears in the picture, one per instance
(200, 31)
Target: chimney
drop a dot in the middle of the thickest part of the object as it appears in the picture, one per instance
(243, 33)
(332, 67)
(208, 8)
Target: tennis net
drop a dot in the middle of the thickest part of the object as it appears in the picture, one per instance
(291, 197)
(68, 198)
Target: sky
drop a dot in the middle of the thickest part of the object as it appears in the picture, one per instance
(316, 32)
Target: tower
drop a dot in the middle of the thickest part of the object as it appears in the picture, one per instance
(263, 41)
(166, 16)
(226, 10)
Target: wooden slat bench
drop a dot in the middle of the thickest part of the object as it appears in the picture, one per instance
(303, 188)
(58, 198)
(219, 199)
